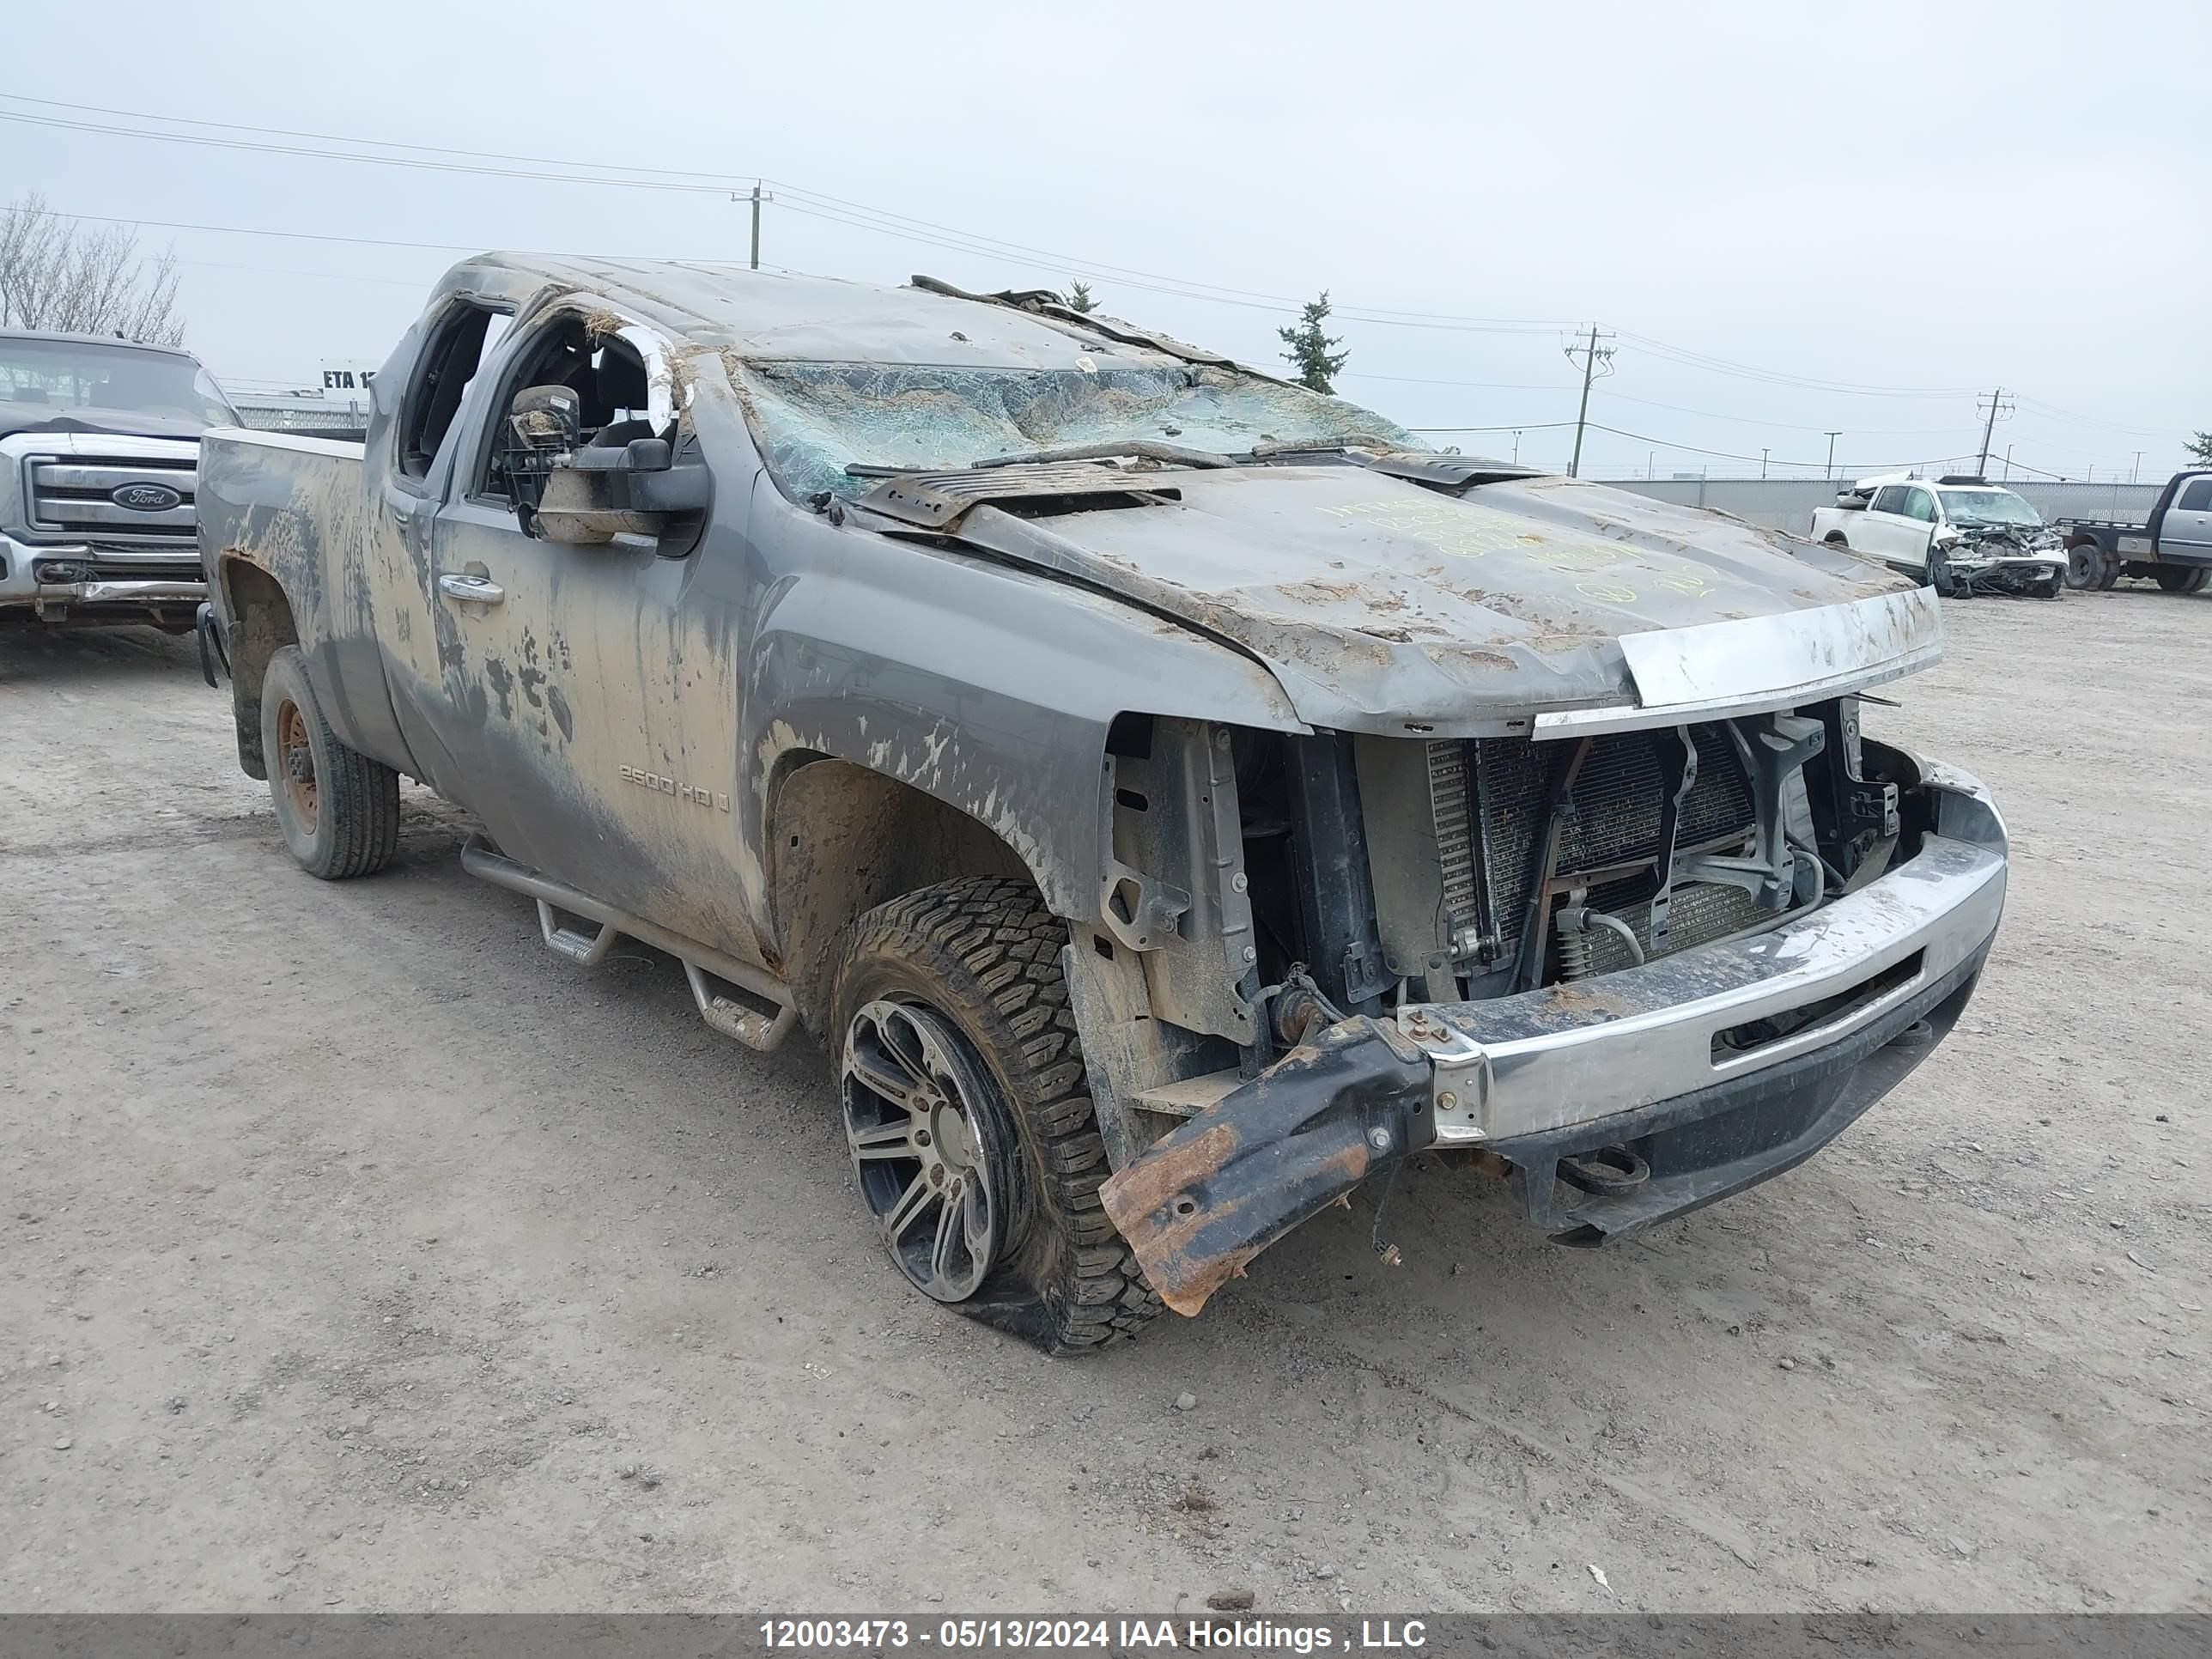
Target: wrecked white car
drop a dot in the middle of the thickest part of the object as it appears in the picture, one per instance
(1171, 797)
(1958, 534)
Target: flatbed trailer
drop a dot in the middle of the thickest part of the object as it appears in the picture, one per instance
(2172, 547)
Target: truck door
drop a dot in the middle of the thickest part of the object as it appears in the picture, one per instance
(2186, 533)
(600, 717)
(410, 476)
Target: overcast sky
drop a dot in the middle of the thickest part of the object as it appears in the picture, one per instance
(1903, 199)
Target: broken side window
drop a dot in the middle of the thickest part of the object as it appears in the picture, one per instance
(606, 373)
(457, 348)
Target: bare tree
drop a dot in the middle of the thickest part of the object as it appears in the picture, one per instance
(56, 272)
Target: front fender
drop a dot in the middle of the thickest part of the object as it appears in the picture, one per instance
(990, 688)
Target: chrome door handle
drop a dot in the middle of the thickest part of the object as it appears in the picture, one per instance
(478, 589)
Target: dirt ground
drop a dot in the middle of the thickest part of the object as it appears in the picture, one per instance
(359, 1253)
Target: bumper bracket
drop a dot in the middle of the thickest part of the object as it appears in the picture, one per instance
(1205, 1200)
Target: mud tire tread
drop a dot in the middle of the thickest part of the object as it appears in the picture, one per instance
(992, 953)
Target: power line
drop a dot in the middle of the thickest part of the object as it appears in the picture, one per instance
(348, 155)
(855, 215)
(882, 221)
(719, 178)
(2054, 412)
(1724, 366)
(1511, 426)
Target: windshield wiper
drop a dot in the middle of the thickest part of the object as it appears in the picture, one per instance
(1146, 449)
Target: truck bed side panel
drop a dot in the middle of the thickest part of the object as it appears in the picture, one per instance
(296, 508)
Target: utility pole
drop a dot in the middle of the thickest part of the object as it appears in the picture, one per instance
(1517, 446)
(1591, 355)
(1762, 461)
(756, 198)
(2136, 468)
(2007, 476)
(1833, 436)
(1997, 406)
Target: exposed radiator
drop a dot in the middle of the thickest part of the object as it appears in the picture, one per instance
(1500, 785)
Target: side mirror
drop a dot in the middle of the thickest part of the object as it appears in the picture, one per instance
(597, 492)
(585, 494)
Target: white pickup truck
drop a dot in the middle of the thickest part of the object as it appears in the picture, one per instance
(1959, 535)
(100, 446)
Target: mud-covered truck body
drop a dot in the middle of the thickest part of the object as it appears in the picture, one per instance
(2172, 547)
(99, 454)
(1172, 797)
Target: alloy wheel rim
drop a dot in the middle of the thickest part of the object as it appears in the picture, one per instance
(297, 758)
(922, 1146)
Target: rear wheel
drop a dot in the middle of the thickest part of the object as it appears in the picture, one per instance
(969, 1118)
(339, 811)
(2085, 565)
(2180, 579)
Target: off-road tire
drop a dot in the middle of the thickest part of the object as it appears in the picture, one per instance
(985, 954)
(352, 828)
(2180, 578)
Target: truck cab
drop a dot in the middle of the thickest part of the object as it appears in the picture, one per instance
(99, 445)
(1956, 533)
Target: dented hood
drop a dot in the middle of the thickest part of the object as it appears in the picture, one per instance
(1383, 606)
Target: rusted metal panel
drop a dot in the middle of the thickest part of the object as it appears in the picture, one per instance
(1206, 1198)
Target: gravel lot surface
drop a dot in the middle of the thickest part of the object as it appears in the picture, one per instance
(356, 1252)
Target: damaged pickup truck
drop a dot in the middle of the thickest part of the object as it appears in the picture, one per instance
(1173, 797)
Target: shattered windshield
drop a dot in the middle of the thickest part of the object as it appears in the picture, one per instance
(814, 420)
(1990, 507)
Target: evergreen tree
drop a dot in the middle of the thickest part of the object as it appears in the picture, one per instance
(1317, 366)
(1080, 298)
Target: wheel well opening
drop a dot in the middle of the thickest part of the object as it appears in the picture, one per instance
(1835, 538)
(844, 840)
(261, 624)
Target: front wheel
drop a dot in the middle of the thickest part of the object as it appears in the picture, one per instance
(1938, 574)
(969, 1117)
(339, 809)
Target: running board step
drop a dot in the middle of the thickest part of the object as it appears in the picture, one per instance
(709, 972)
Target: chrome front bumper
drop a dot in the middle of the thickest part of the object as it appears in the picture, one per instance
(1571, 1056)
(22, 585)
(1615, 1102)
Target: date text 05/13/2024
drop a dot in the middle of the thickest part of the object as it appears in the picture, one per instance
(1215, 1633)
